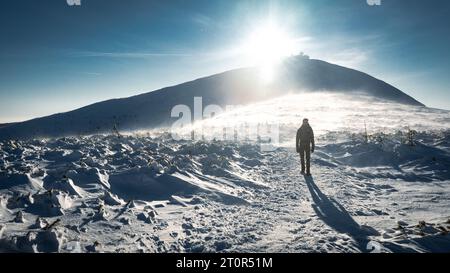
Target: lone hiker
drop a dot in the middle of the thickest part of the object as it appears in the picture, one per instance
(305, 145)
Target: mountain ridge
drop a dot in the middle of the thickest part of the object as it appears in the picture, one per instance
(238, 86)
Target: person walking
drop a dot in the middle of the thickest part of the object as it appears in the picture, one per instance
(305, 145)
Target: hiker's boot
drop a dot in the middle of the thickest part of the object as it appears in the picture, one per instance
(308, 171)
(302, 172)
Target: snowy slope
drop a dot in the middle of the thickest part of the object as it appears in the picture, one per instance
(236, 87)
(146, 192)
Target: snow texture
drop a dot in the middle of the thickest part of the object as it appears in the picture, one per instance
(146, 192)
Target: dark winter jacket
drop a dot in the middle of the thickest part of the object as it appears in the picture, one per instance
(305, 138)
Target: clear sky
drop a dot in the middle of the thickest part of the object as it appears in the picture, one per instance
(55, 57)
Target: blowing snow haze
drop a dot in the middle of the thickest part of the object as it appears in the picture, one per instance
(151, 110)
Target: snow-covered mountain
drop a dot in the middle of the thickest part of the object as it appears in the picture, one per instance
(235, 87)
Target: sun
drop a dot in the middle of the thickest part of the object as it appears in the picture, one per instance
(266, 46)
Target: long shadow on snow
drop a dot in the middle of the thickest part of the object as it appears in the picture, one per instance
(335, 216)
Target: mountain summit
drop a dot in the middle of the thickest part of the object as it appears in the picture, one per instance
(234, 87)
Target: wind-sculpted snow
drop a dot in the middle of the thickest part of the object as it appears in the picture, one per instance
(51, 178)
(131, 167)
(427, 158)
(385, 190)
(153, 194)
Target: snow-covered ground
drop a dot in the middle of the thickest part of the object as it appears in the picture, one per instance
(146, 192)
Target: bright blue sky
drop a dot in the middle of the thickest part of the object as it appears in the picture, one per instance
(54, 57)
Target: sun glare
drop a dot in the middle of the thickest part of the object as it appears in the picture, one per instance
(266, 46)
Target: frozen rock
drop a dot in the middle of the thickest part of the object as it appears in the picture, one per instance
(187, 226)
(112, 199)
(25, 243)
(40, 223)
(151, 211)
(53, 225)
(152, 214)
(145, 217)
(85, 175)
(50, 203)
(50, 240)
(19, 201)
(125, 221)
(95, 247)
(19, 217)
(101, 214)
(222, 245)
(67, 185)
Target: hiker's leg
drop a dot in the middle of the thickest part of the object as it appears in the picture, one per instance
(308, 161)
(302, 159)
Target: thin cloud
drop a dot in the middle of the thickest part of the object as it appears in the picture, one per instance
(129, 55)
(91, 73)
(202, 20)
(353, 52)
(350, 58)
